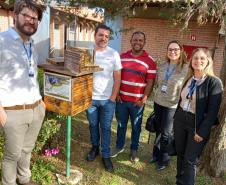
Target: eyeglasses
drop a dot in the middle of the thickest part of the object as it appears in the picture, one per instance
(173, 49)
(29, 18)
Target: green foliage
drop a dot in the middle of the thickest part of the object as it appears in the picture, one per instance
(203, 11)
(111, 8)
(1, 145)
(49, 128)
(223, 176)
(40, 81)
(204, 180)
(41, 171)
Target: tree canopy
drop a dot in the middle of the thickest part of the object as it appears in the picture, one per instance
(205, 10)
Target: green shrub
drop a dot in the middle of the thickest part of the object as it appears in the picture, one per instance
(40, 81)
(41, 171)
(49, 128)
(1, 145)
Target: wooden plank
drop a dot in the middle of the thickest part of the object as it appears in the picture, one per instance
(65, 71)
(82, 108)
(56, 61)
(82, 93)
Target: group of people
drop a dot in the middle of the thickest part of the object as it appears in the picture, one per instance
(186, 101)
(122, 87)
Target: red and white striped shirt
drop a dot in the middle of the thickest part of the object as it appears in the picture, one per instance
(135, 72)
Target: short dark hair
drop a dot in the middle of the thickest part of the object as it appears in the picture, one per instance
(102, 26)
(139, 32)
(21, 4)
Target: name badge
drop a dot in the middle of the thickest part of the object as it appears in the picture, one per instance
(31, 71)
(164, 88)
(187, 105)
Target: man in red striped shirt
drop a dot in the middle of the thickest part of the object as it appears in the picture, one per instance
(137, 80)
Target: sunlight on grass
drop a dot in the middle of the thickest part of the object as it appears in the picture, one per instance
(125, 172)
(203, 180)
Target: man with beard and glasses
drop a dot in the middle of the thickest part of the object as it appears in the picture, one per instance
(137, 79)
(21, 107)
(106, 85)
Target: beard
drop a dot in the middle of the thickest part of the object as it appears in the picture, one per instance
(102, 44)
(137, 48)
(26, 28)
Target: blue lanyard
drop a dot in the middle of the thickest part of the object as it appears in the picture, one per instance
(169, 73)
(192, 88)
(28, 53)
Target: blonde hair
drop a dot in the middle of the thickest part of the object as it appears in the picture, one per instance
(183, 57)
(208, 69)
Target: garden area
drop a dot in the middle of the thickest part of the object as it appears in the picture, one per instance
(49, 157)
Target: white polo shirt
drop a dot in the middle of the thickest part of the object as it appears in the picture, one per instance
(103, 81)
(16, 87)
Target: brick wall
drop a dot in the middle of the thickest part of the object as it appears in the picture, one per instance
(160, 32)
(6, 19)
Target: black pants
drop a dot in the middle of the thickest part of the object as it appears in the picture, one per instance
(187, 148)
(164, 120)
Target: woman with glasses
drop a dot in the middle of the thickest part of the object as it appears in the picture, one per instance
(196, 113)
(170, 77)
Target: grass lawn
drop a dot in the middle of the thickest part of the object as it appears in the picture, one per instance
(125, 173)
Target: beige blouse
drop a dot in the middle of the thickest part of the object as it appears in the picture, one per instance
(189, 104)
(171, 97)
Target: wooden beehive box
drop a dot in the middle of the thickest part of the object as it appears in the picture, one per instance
(56, 61)
(79, 59)
(68, 88)
(76, 98)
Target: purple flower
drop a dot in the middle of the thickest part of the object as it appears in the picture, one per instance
(47, 152)
(50, 152)
(55, 151)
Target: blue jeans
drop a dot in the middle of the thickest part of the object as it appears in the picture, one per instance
(100, 116)
(123, 111)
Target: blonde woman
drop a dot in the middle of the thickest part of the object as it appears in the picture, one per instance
(170, 77)
(196, 113)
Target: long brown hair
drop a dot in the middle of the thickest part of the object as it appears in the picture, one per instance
(183, 57)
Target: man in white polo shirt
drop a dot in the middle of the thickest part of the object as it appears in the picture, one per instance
(21, 107)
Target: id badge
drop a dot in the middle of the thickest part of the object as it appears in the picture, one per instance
(186, 106)
(164, 88)
(31, 71)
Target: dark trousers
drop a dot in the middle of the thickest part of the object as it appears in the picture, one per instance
(164, 126)
(187, 148)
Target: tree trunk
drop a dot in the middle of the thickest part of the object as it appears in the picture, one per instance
(223, 69)
(213, 159)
